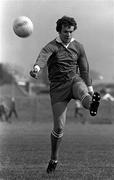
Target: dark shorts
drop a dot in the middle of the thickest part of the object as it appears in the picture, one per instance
(63, 91)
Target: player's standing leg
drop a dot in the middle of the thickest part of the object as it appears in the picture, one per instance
(59, 115)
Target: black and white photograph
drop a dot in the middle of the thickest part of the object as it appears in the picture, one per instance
(57, 90)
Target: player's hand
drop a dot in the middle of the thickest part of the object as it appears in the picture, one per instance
(34, 73)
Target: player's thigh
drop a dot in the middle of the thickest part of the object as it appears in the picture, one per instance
(79, 89)
(59, 110)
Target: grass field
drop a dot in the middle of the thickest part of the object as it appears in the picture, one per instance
(86, 153)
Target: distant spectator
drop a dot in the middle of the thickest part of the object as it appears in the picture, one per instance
(12, 108)
(108, 97)
(3, 112)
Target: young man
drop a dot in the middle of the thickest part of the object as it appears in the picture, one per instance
(63, 56)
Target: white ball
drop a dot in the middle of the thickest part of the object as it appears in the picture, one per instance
(23, 26)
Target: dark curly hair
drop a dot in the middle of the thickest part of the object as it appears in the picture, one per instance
(66, 21)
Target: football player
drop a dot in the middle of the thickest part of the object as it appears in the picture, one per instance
(64, 56)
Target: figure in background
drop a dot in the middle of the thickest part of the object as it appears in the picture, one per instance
(12, 108)
(3, 112)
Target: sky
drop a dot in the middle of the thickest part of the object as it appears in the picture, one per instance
(95, 19)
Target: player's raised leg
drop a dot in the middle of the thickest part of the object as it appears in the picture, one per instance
(59, 115)
(90, 102)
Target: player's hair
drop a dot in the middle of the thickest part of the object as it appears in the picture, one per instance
(67, 22)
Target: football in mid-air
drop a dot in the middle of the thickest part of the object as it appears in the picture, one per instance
(23, 26)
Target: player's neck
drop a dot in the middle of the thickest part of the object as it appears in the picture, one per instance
(66, 44)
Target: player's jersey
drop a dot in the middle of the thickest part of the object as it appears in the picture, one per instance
(63, 61)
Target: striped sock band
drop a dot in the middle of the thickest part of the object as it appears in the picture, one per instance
(86, 101)
(83, 97)
(56, 134)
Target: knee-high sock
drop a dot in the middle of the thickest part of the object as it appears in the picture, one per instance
(55, 144)
(86, 101)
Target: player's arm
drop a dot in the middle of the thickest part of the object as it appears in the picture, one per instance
(41, 61)
(84, 69)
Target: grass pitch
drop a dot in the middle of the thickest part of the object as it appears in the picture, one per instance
(86, 153)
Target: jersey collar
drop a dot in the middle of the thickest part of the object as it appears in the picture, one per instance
(59, 41)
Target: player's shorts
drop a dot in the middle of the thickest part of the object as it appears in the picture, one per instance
(63, 91)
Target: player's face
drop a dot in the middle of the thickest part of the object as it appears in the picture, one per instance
(66, 34)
